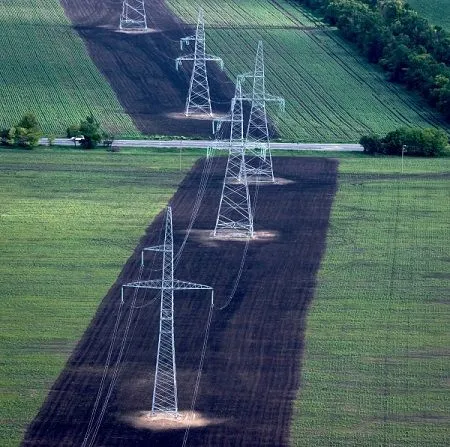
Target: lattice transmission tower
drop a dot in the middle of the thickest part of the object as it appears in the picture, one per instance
(198, 100)
(235, 214)
(258, 158)
(165, 396)
(133, 16)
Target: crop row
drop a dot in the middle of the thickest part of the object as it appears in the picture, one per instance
(376, 346)
(45, 69)
(331, 93)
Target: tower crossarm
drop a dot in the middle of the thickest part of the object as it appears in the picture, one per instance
(186, 285)
(192, 57)
(179, 60)
(267, 98)
(272, 98)
(211, 58)
(158, 284)
(157, 248)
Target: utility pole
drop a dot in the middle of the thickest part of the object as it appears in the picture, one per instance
(165, 396)
(258, 160)
(235, 212)
(133, 16)
(198, 100)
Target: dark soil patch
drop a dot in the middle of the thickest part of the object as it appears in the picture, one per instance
(141, 67)
(252, 366)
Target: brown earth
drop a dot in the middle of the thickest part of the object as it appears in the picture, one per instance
(141, 67)
(251, 371)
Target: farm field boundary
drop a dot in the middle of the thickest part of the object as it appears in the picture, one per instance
(69, 221)
(332, 94)
(251, 369)
(46, 70)
(375, 370)
(204, 144)
(141, 67)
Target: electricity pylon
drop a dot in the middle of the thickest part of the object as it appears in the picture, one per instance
(258, 159)
(133, 15)
(198, 100)
(235, 209)
(165, 397)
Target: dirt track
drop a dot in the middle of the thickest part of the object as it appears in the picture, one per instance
(252, 364)
(141, 67)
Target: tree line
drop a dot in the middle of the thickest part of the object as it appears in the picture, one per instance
(27, 132)
(415, 142)
(405, 45)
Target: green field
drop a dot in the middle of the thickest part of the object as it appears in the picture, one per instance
(376, 366)
(331, 93)
(46, 69)
(436, 11)
(70, 219)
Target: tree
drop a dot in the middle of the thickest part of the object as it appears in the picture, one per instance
(26, 133)
(90, 131)
(372, 144)
(427, 142)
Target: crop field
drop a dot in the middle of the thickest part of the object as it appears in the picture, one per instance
(376, 362)
(375, 370)
(436, 11)
(331, 93)
(45, 69)
(69, 220)
(253, 353)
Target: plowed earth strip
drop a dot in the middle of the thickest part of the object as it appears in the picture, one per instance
(141, 67)
(252, 365)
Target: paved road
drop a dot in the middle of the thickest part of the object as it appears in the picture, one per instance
(203, 144)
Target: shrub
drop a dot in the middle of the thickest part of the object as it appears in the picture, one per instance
(372, 144)
(90, 131)
(26, 133)
(417, 142)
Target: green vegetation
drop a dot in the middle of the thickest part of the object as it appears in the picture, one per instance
(69, 222)
(331, 93)
(90, 131)
(376, 364)
(26, 133)
(402, 42)
(375, 367)
(436, 11)
(45, 69)
(403, 141)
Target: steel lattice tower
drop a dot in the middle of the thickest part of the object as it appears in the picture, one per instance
(133, 15)
(165, 398)
(235, 209)
(258, 161)
(198, 100)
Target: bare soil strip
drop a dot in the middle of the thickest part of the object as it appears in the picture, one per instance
(141, 66)
(252, 366)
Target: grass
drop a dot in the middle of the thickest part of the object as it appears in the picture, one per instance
(69, 219)
(331, 93)
(375, 370)
(436, 11)
(46, 69)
